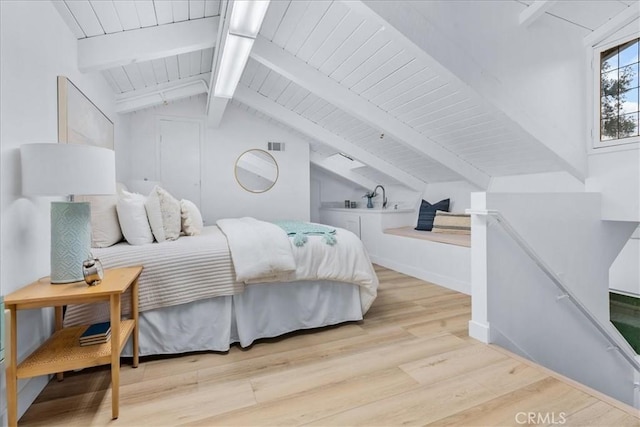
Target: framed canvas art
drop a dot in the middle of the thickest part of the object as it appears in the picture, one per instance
(80, 121)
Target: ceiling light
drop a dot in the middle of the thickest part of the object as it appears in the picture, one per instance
(247, 16)
(234, 57)
(244, 25)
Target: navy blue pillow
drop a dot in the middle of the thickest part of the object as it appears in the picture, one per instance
(428, 213)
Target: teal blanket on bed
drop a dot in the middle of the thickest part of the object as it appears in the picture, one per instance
(300, 230)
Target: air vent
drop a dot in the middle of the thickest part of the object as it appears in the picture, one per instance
(275, 146)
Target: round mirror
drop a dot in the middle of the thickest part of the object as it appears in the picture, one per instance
(256, 171)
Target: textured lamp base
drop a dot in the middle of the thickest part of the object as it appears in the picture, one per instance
(70, 240)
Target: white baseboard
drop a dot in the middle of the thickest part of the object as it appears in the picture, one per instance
(428, 276)
(479, 331)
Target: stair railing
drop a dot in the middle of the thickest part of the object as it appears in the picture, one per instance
(616, 342)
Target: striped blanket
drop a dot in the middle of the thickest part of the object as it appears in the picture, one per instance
(177, 272)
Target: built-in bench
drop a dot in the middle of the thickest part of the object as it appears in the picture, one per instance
(450, 239)
(443, 259)
(392, 242)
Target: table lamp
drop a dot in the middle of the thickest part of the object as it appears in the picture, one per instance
(58, 169)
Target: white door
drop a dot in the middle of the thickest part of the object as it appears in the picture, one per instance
(180, 159)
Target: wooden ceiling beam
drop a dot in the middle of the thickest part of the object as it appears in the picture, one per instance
(144, 44)
(614, 24)
(534, 11)
(216, 106)
(165, 92)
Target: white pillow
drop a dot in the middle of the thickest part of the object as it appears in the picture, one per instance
(191, 218)
(133, 218)
(164, 212)
(154, 213)
(105, 227)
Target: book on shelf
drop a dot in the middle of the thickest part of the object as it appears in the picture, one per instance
(97, 330)
(98, 340)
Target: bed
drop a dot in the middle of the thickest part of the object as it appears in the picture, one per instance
(195, 295)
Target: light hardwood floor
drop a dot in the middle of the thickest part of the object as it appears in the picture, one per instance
(409, 362)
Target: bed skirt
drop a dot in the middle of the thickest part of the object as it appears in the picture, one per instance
(261, 311)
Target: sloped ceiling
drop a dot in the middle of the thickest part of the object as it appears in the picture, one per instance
(336, 73)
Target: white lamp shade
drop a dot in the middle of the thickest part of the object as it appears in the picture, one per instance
(55, 169)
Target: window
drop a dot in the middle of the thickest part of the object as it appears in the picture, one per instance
(619, 102)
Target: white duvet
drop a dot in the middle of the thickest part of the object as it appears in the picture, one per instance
(264, 255)
(260, 250)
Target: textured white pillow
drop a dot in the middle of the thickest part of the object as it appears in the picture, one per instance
(191, 218)
(164, 212)
(154, 213)
(105, 227)
(133, 218)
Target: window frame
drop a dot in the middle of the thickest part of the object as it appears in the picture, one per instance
(596, 143)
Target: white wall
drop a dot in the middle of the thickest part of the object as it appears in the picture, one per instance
(221, 195)
(551, 182)
(624, 274)
(336, 189)
(122, 142)
(36, 46)
(523, 311)
(458, 191)
(333, 190)
(616, 174)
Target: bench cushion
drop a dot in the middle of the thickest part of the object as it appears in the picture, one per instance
(450, 239)
(428, 213)
(452, 223)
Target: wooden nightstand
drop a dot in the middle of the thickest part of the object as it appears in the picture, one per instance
(62, 351)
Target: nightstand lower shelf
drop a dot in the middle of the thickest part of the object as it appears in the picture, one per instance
(62, 352)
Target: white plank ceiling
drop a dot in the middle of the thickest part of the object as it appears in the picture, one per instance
(291, 96)
(364, 59)
(140, 75)
(91, 18)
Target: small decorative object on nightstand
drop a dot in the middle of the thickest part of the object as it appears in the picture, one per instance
(62, 351)
(92, 271)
